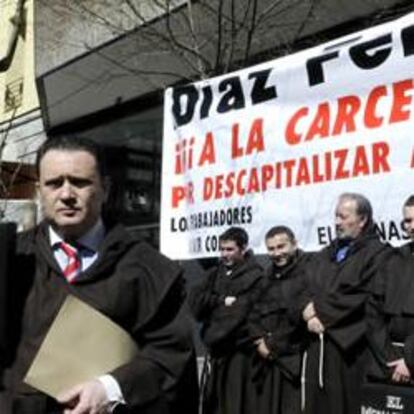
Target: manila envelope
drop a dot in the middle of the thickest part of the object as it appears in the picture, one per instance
(81, 344)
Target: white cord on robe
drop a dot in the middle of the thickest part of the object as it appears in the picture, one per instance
(321, 358)
(303, 381)
(303, 373)
(205, 375)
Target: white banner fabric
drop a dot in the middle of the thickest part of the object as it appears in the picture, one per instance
(277, 143)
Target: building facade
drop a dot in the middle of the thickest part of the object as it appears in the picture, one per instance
(100, 68)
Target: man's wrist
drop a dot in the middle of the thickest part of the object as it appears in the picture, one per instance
(309, 312)
(307, 318)
(112, 390)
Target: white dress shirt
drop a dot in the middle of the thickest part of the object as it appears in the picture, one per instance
(88, 254)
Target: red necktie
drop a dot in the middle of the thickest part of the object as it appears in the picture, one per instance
(73, 267)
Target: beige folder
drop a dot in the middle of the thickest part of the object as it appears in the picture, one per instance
(81, 345)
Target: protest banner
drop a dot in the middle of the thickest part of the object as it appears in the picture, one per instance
(276, 143)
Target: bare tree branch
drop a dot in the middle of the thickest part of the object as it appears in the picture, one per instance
(197, 44)
(134, 10)
(232, 39)
(306, 18)
(181, 46)
(219, 34)
(98, 17)
(268, 11)
(209, 37)
(251, 31)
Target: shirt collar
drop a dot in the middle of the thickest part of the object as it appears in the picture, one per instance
(91, 239)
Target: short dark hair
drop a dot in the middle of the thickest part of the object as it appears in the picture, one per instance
(409, 202)
(363, 206)
(236, 234)
(280, 230)
(72, 143)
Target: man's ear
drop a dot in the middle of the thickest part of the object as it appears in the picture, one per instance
(364, 222)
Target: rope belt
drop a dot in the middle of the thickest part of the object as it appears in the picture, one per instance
(321, 358)
(304, 367)
(303, 381)
(205, 375)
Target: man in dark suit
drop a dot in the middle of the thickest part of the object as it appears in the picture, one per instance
(76, 251)
(391, 312)
(222, 302)
(277, 328)
(334, 300)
